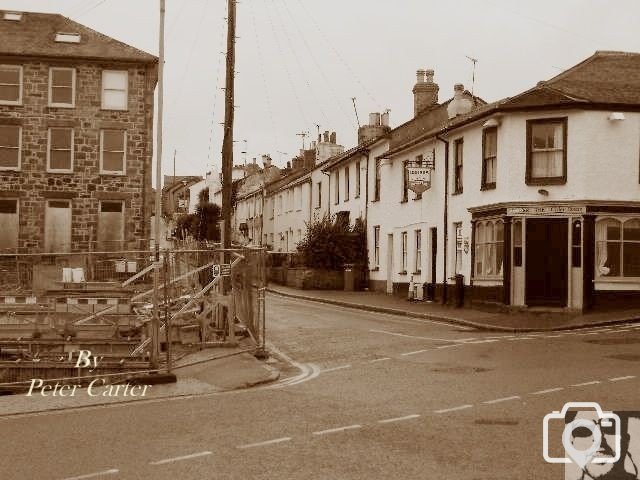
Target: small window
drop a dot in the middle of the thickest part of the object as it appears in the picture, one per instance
(346, 184)
(489, 157)
(10, 147)
(405, 181)
(319, 196)
(376, 246)
(357, 180)
(9, 224)
(546, 151)
(336, 194)
(576, 243)
(111, 225)
(618, 248)
(10, 85)
(115, 89)
(60, 151)
(376, 185)
(517, 243)
(112, 151)
(489, 239)
(62, 37)
(418, 257)
(404, 252)
(457, 173)
(62, 87)
(458, 265)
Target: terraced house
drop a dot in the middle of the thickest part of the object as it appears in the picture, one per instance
(76, 114)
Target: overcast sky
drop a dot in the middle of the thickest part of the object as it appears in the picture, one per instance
(299, 62)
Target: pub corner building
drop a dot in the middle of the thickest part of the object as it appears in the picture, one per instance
(535, 199)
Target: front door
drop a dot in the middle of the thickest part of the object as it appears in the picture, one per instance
(57, 226)
(546, 262)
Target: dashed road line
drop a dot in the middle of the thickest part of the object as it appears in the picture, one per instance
(112, 471)
(618, 379)
(339, 429)
(453, 409)
(462, 340)
(333, 369)
(500, 400)
(379, 359)
(584, 384)
(183, 457)
(415, 352)
(548, 390)
(399, 419)
(268, 442)
(450, 346)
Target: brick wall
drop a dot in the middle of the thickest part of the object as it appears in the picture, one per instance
(85, 187)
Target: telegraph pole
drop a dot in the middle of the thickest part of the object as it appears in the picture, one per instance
(155, 321)
(227, 142)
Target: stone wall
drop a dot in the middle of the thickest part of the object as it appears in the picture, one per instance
(85, 186)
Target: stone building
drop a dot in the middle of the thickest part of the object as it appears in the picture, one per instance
(76, 124)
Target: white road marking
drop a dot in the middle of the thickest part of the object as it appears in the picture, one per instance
(450, 346)
(341, 367)
(112, 471)
(489, 340)
(584, 384)
(415, 352)
(549, 390)
(268, 442)
(499, 400)
(379, 359)
(520, 338)
(462, 340)
(617, 379)
(339, 429)
(178, 459)
(553, 336)
(454, 409)
(399, 419)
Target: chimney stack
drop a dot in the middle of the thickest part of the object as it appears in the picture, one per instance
(266, 161)
(378, 126)
(425, 92)
(332, 138)
(461, 103)
(326, 136)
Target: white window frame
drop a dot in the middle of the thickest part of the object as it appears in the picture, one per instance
(60, 170)
(346, 183)
(405, 254)
(19, 166)
(21, 85)
(358, 180)
(73, 88)
(103, 106)
(484, 247)
(124, 154)
(621, 277)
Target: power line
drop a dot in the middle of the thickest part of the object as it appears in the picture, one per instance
(286, 69)
(320, 68)
(100, 2)
(337, 54)
(300, 65)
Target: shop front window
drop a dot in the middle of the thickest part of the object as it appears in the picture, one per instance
(489, 240)
(618, 248)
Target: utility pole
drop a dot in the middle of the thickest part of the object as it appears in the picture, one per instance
(227, 142)
(473, 72)
(303, 135)
(353, 99)
(155, 321)
(174, 166)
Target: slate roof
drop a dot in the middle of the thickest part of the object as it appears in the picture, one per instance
(34, 35)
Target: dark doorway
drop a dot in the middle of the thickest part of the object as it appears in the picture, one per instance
(546, 262)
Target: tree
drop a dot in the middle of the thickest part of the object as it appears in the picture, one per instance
(203, 224)
(329, 243)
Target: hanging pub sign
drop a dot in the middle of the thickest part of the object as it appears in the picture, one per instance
(419, 174)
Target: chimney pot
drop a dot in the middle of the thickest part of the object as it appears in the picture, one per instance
(332, 138)
(326, 136)
(420, 76)
(458, 87)
(429, 76)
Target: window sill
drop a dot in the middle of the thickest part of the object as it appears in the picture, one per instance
(357, 196)
(59, 171)
(10, 103)
(107, 109)
(10, 169)
(488, 186)
(417, 198)
(546, 181)
(488, 278)
(417, 272)
(457, 192)
(617, 279)
(61, 105)
(377, 269)
(375, 200)
(404, 200)
(113, 174)
(404, 272)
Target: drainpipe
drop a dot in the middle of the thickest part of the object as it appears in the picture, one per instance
(445, 216)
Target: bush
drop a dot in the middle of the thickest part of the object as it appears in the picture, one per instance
(329, 243)
(202, 225)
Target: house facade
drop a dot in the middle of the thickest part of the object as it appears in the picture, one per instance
(76, 123)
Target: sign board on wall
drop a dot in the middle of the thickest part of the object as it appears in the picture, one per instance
(419, 174)
(546, 210)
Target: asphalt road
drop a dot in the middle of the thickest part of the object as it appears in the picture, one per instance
(363, 396)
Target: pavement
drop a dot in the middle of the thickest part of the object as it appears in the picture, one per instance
(209, 371)
(469, 317)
